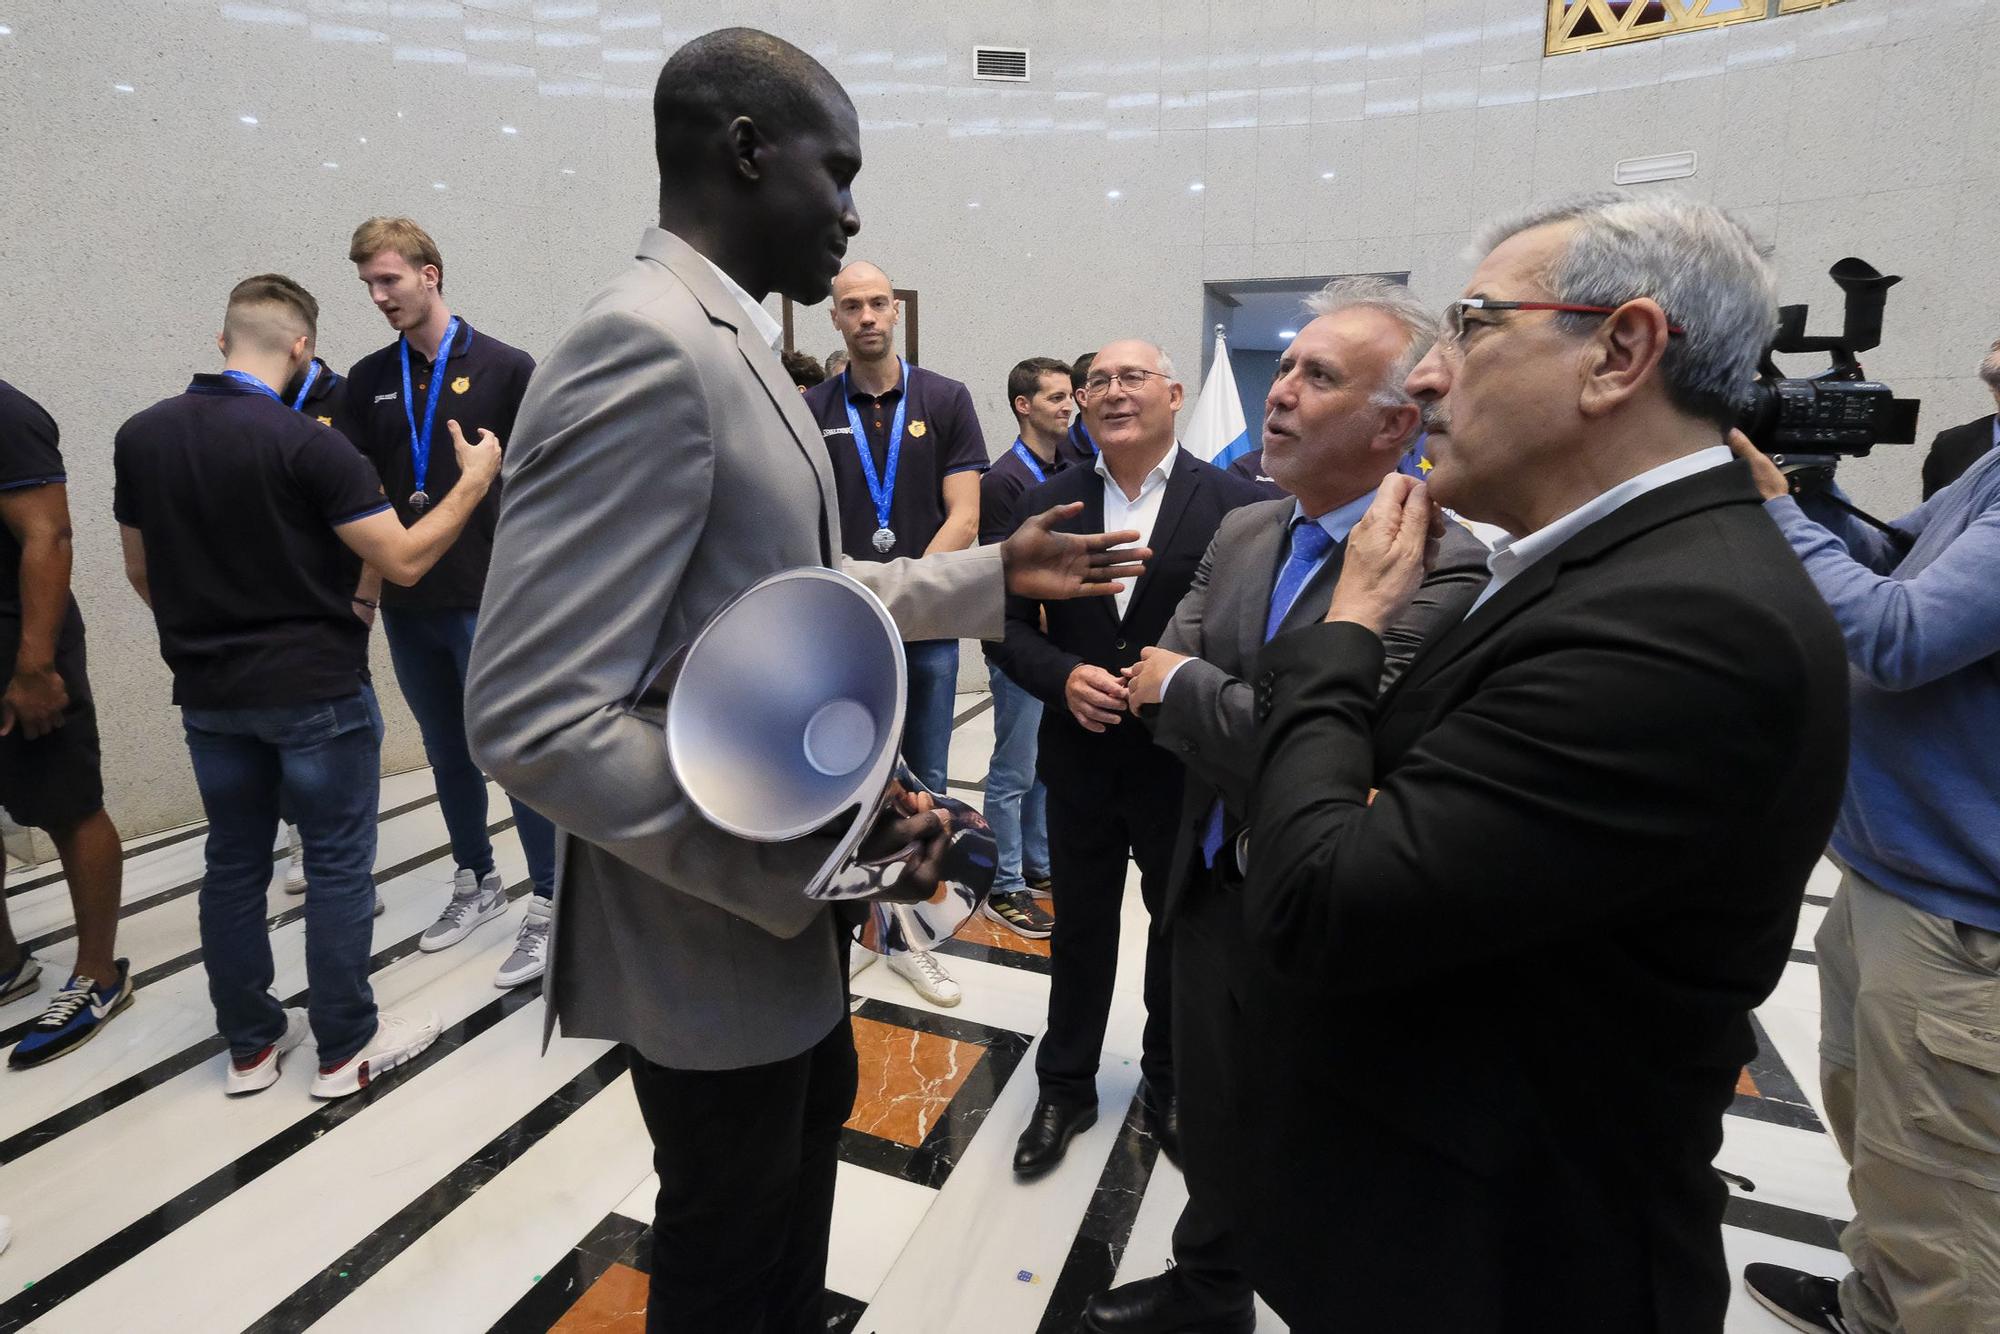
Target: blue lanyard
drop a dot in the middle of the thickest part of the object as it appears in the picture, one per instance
(420, 441)
(249, 381)
(1029, 461)
(312, 374)
(881, 490)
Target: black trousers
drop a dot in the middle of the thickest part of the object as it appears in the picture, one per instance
(746, 1161)
(1209, 953)
(1097, 820)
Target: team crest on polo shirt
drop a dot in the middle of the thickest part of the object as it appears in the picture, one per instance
(917, 430)
(461, 384)
(326, 421)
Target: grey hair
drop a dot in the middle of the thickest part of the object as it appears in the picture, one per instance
(1989, 367)
(1702, 267)
(1395, 300)
(1165, 362)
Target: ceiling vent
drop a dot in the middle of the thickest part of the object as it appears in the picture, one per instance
(1008, 63)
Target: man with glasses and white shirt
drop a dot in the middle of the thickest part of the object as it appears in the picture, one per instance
(1112, 796)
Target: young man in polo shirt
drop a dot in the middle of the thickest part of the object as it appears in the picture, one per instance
(245, 526)
(907, 453)
(49, 775)
(439, 367)
(1038, 390)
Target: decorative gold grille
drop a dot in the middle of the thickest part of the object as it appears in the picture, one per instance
(1583, 25)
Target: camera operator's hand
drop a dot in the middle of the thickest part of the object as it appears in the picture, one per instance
(1770, 481)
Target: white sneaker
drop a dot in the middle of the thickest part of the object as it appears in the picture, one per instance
(530, 958)
(472, 903)
(295, 862)
(264, 1068)
(859, 961)
(396, 1040)
(927, 977)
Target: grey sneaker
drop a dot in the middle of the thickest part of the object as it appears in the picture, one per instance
(295, 862)
(472, 903)
(530, 958)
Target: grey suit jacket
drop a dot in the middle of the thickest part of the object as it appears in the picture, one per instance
(662, 463)
(1206, 718)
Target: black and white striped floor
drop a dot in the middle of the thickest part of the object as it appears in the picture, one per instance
(490, 1187)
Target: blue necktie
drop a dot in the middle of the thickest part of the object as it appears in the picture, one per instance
(1310, 543)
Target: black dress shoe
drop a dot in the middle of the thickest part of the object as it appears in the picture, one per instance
(1051, 1126)
(1163, 1119)
(1158, 1305)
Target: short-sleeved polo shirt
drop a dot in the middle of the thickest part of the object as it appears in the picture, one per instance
(237, 497)
(485, 382)
(941, 436)
(1006, 481)
(30, 457)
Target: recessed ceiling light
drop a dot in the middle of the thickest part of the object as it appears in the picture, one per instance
(972, 203)
(364, 138)
(1114, 194)
(508, 129)
(248, 120)
(439, 185)
(6, 31)
(1196, 187)
(1326, 175)
(331, 166)
(121, 87)
(569, 171)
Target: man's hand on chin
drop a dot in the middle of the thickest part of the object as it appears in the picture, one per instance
(1049, 566)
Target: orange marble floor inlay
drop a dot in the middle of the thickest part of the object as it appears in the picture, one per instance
(907, 1079)
(1746, 1085)
(983, 930)
(615, 1304)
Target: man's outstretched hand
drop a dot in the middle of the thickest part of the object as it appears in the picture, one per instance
(1048, 566)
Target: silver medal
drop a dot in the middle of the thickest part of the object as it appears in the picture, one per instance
(885, 538)
(418, 500)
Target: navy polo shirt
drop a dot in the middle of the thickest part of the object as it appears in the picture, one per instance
(941, 436)
(1077, 446)
(1001, 489)
(29, 458)
(237, 497)
(326, 401)
(1250, 467)
(486, 380)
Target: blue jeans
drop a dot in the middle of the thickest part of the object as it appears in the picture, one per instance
(1017, 805)
(933, 667)
(323, 761)
(431, 647)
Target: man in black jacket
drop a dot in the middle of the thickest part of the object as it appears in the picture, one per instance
(1111, 794)
(1571, 838)
(1336, 421)
(1958, 448)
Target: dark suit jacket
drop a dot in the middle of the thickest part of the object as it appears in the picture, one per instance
(1206, 719)
(1599, 799)
(1955, 450)
(1091, 630)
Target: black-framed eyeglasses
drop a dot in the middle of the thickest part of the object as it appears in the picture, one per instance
(1131, 380)
(1454, 312)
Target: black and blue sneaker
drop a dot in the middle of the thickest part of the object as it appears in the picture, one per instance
(73, 1018)
(21, 979)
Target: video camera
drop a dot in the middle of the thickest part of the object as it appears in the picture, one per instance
(1814, 421)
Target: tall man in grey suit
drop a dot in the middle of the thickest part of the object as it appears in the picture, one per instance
(662, 463)
(1336, 421)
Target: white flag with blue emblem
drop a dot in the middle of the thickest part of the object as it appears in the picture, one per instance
(1217, 432)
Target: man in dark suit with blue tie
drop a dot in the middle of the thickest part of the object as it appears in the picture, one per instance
(1112, 795)
(1336, 422)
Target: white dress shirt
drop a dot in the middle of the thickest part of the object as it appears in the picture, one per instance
(1513, 555)
(1141, 512)
(763, 321)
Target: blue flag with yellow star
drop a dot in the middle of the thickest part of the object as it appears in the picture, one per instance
(1416, 460)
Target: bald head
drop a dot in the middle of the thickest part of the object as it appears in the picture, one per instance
(729, 74)
(864, 310)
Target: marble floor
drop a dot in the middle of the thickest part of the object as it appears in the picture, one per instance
(489, 1187)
